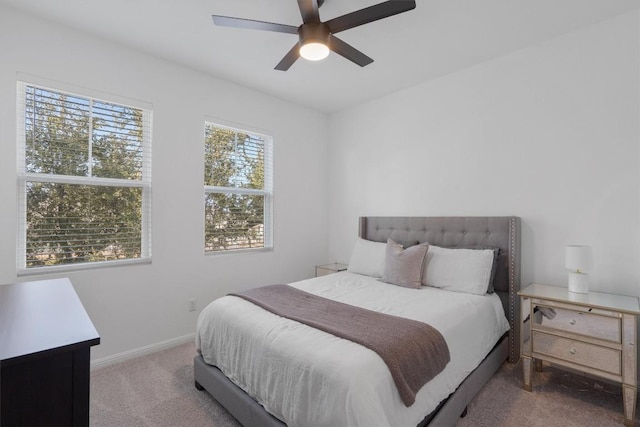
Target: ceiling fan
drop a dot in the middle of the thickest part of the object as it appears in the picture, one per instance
(316, 38)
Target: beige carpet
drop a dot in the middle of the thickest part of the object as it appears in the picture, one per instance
(157, 390)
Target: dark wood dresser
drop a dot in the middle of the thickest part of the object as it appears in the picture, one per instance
(45, 345)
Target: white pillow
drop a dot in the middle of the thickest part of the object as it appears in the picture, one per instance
(459, 270)
(368, 258)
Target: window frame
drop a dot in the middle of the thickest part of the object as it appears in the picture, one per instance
(24, 177)
(266, 191)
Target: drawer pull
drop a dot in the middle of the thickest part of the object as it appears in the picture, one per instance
(572, 351)
(572, 322)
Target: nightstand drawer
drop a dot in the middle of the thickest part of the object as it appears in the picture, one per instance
(577, 352)
(585, 323)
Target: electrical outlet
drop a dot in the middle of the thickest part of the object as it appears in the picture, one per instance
(192, 304)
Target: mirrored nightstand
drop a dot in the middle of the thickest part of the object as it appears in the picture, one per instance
(594, 333)
(323, 270)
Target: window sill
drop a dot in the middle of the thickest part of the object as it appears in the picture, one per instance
(34, 271)
(238, 251)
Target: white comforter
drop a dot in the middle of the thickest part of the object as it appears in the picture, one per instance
(306, 377)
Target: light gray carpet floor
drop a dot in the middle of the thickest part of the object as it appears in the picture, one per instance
(158, 390)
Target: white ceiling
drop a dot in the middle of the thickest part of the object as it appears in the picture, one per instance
(436, 38)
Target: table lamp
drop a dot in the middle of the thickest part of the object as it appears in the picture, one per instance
(577, 260)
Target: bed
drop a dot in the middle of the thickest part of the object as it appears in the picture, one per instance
(305, 389)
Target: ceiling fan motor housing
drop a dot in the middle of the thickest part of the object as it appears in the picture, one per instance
(314, 32)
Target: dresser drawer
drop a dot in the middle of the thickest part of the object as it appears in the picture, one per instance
(577, 352)
(585, 323)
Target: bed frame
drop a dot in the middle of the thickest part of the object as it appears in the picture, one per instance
(453, 232)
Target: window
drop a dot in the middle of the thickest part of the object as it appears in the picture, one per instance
(84, 175)
(238, 189)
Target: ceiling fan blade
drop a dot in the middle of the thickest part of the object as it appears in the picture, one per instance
(289, 58)
(348, 51)
(370, 14)
(228, 21)
(309, 11)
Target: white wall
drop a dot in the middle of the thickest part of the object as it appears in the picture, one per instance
(549, 133)
(136, 306)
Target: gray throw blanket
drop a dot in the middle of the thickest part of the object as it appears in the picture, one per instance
(414, 351)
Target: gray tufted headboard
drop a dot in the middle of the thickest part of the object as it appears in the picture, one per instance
(464, 232)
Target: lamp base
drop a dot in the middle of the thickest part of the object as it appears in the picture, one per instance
(578, 283)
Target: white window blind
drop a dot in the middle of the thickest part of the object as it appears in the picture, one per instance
(238, 189)
(84, 176)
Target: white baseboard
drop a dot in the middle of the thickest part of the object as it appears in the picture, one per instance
(141, 351)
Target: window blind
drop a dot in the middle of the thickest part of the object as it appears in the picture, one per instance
(84, 174)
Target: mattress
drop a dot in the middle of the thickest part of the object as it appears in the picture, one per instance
(306, 377)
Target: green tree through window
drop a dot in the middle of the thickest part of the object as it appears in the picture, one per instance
(237, 181)
(85, 179)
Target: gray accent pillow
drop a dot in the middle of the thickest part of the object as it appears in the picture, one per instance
(404, 267)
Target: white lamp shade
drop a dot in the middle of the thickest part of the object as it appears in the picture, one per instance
(577, 258)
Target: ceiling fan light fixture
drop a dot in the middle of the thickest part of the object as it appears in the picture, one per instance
(314, 51)
(314, 41)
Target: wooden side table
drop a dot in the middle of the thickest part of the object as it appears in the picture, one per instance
(45, 342)
(323, 270)
(594, 333)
